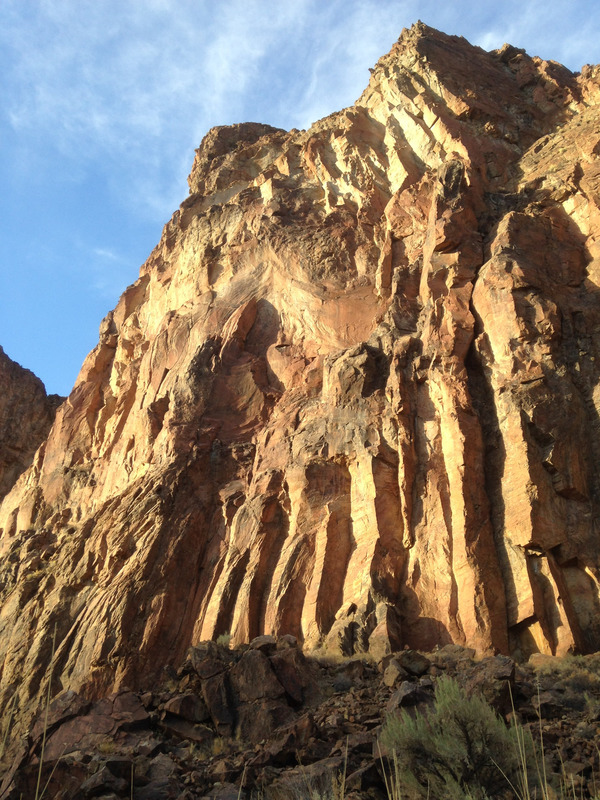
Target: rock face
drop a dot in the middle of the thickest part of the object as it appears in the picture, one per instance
(26, 415)
(353, 397)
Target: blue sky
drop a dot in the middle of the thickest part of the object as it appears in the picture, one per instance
(104, 101)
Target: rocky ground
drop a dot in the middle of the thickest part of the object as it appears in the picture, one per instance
(266, 721)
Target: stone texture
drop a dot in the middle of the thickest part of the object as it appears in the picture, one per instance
(275, 746)
(352, 397)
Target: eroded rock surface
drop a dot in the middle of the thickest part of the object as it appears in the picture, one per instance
(353, 396)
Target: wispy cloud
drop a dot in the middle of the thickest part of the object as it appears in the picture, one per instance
(135, 85)
(109, 271)
(103, 103)
(565, 30)
(110, 255)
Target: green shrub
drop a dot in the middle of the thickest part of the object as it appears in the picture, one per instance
(224, 639)
(574, 673)
(458, 749)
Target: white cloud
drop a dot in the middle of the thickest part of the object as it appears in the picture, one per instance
(109, 270)
(135, 86)
(132, 87)
(345, 45)
(102, 252)
(565, 30)
(104, 101)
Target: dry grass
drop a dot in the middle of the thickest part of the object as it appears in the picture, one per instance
(449, 752)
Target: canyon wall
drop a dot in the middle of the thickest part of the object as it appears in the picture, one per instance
(353, 396)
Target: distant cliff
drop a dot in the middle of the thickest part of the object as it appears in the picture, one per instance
(353, 396)
(26, 414)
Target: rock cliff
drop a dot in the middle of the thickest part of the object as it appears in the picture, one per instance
(26, 414)
(353, 396)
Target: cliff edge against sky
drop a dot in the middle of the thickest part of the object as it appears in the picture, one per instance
(353, 395)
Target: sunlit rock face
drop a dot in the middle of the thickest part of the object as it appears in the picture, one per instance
(353, 395)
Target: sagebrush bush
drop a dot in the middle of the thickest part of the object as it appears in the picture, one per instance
(458, 749)
(224, 639)
(572, 672)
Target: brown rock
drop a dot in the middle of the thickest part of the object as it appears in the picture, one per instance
(102, 783)
(188, 706)
(225, 791)
(386, 638)
(286, 642)
(258, 720)
(494, 678)
(184, 729)
(293, 673)
(363, 779)
(98, 725)
(266, 644)
(64, 707)
(208, 659)
(394, 672)
(26, 415)
(291, 741)
(410, 696)
(549, 704)
(414, 663)
(218, 697)
(58, 776)
(252, 678)
(316, 779)
(161, 767)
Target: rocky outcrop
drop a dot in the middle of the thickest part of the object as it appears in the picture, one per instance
(353, 396)
(26, 414)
